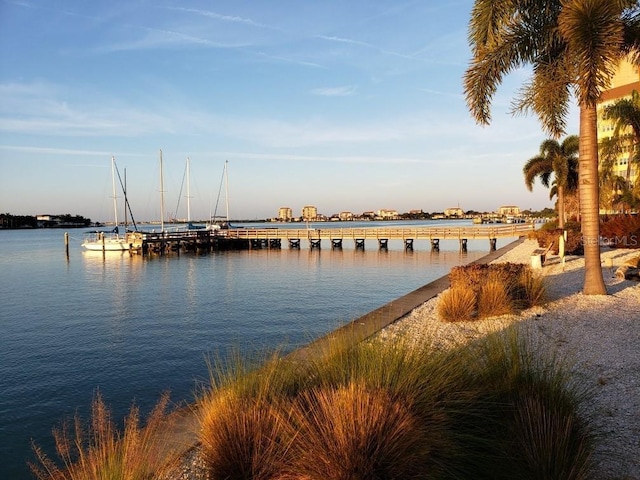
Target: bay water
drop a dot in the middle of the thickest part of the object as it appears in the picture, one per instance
(132, 327)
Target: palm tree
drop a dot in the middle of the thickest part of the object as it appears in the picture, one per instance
(574, 47)
(561, 160)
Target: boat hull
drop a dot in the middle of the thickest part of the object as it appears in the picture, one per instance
(106, 244)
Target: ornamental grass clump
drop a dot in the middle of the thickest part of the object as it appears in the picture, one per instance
(245, 432)
(457, 304)
(353, 432)
(101, 451)
(531, 424)
(494, 299)
(498, 407)
(481, 291)
(244, 438)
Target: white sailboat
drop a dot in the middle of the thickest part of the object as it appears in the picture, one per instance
(217, 222)
(109, 241)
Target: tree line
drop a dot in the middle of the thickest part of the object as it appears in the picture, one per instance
(65, 220)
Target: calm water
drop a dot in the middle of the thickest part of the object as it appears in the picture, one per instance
(134, 327)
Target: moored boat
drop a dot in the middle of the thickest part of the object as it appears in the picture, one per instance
(109, 241)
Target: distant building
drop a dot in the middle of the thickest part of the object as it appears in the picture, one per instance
(309, 212)
(508, 210)
(454, 212)
(387, 214)
(285, 214)
(47, 220)
(369, 214)
(345, 216)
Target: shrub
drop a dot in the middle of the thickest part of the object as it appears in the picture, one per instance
(525, 420)
(486, 290)
(353, 432)
(621, 231)
(244, 438)
(494, 299)
(495, 408)
(457, 304)
(531, 290)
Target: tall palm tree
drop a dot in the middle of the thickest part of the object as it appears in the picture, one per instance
(559, 160)
(573, 47)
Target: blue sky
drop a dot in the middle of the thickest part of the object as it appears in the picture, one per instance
(347, 105)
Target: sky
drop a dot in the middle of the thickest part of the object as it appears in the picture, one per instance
(348, 105)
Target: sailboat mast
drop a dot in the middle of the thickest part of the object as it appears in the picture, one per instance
(226, 186)
(125, 201)
(113, 187)
(161, 195)
(188, 191)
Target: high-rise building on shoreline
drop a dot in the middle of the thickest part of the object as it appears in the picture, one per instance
(623, 83)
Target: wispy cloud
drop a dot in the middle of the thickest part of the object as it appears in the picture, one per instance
(221, 17)
(443, 94)
(344, 91)
(359, 43)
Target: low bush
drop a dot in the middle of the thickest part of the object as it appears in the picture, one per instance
(457, 304)
(494, 299)
(354, 432)
(621, 231)
(480, 291)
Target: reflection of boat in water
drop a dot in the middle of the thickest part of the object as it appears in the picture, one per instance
(111, 241)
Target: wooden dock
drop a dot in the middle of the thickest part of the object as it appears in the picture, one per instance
(273, 237)
(162, 243)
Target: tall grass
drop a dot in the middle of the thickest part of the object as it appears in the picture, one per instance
(494, 299)
(530, 412)
(497, 408)
(501, 407)
(353, 432)
(101, 451)
(457, 304)
(482, 291)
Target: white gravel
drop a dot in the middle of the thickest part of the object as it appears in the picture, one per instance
(599, 334)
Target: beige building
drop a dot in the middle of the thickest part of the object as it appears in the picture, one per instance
(506, 210)
(345, 216)
(285, 214)
(623, 83)
(454, 212)
(388, 214)
(309, 212)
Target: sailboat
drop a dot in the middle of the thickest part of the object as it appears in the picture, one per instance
(216, 222)
(109, 241)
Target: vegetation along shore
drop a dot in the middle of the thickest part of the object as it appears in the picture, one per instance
(554, 386)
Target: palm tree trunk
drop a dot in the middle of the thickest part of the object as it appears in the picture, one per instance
(561, 207)
(589, 199)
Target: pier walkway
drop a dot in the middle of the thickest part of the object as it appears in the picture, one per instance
(273, 237)
(241, 238)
